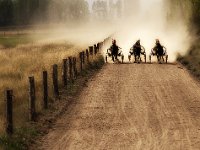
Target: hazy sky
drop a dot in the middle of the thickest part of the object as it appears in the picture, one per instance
(150, 3)
(145, 4)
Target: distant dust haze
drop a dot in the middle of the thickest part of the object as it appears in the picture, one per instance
(135, 19)
(149, 22)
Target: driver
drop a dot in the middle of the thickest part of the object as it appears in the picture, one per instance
(114, 50)
(158, 48)
(137, 49)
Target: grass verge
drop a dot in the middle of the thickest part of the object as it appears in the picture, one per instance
(192, 60)
(26, 136)
(20, 139)
(17, 64)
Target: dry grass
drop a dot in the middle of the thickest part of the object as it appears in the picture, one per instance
(17, 64)
(192, 59)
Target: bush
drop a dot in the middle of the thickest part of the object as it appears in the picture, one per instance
(192, 60)
(20, 140)
(185, 62)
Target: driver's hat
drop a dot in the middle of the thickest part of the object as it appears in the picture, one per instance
(114, 41)
(157, 41)
(138, 41)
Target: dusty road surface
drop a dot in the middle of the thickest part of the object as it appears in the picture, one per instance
(131, 106)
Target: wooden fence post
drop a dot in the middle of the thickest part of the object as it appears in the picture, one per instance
(81, 61)
(65, 69)
(32, 98)
(83, 57)
(74, 68)
(9, 112)
(95, 49)
(45, 89)
(55, 81)
(98, 47)
(91, 50)
(87, 55)
(101, 46)
(70, 69)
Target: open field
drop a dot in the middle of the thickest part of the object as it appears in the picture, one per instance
(31, 52)
(13, 40)
(84, 35)
(12, 37)
(17, 64)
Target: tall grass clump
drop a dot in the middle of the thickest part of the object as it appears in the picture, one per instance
(192, 59)
(21, 62)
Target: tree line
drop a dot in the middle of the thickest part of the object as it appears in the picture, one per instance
(196, 12)
(189, 10)
(26, 12)
(107, 10)
(29, 12)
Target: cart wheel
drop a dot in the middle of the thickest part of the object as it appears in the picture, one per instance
(150, 58)
(166, 59)
(129, 58)
(122, 58)
(159, 60)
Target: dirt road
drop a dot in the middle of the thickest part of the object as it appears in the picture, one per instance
(131, 106)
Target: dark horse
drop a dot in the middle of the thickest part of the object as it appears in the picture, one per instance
(160, 52)
(137, 50)
(114, 51)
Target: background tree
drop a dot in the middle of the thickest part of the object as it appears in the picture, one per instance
(6, 12)
(28, 12)
(189, 10)
(196, 12)
(100, 9)
(119, 8)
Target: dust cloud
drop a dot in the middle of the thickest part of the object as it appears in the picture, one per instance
(140, 19)
(81, 35)
(150, 23)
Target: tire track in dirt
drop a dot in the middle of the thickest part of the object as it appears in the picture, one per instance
(131, 106)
